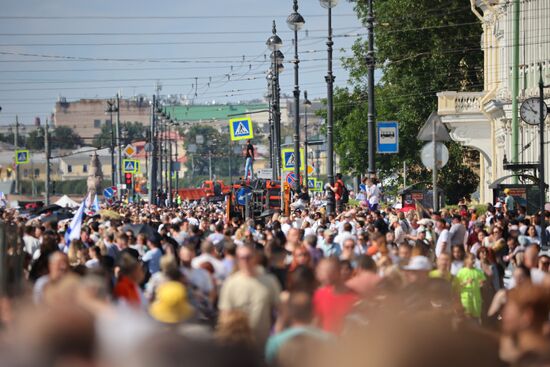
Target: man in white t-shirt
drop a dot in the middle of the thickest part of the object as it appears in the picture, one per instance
(373, 194)
(442, 244)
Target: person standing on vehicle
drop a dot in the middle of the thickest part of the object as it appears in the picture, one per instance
(249, 155)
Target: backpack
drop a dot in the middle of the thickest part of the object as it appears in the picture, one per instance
(345, 193)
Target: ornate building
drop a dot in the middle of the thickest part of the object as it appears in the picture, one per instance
(482, 120)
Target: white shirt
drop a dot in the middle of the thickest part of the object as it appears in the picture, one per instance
(373, 193)
(440, 246)
(31, 244)
(219, 269)
(199, 278)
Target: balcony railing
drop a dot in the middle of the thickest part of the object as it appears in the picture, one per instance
(450, 103)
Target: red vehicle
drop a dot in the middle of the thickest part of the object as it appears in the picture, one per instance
(210, 190)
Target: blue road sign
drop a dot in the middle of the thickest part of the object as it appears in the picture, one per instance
(242, 194)
(241, 128)
(388, 137)
(108, 193)
(22, 156)
(311, 182)
(129, 166)
(363, 187)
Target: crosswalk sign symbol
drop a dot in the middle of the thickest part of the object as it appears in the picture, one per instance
(289, 159)
(311, 183)
(129, 165)
(241, 128)
(22, 156)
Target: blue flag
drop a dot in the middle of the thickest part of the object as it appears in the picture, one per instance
(95, 204)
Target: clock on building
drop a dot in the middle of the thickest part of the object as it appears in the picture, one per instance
(530, 111)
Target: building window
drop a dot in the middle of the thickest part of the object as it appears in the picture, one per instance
(36, 172)
(97, 124)
(69, 168)
(108, 123)
(84, 168)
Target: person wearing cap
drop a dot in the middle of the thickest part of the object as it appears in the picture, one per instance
(417, 270)
(467, 283)
(509, 203)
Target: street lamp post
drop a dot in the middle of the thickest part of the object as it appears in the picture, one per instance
(371, 114)
(274, 43)
(307, 103)
(295, 22)
(329, 4)
(542, 184)
(110, 109)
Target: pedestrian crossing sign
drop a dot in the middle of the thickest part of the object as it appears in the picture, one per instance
(319, 187)
(289, 160)
(312, 184)
(22, 156)
(129, 165)
(241, 128)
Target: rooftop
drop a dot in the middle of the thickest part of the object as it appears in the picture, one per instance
(211, 112)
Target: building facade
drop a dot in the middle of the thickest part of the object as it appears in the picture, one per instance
(482, 120)
(87, 116)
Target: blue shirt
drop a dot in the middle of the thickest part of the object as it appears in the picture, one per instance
(275, 342)
(331, 249)
(152, 259)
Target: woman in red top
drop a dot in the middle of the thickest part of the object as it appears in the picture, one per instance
(130, 276)
(333, 301)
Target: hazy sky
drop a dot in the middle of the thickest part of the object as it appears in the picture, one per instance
(86, 49)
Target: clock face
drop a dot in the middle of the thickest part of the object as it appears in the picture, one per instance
(530, 111)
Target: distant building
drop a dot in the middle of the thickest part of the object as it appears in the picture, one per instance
(87, 116)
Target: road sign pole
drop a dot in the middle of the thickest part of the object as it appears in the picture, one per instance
(47, 148)
(16, 143)
(119, 148)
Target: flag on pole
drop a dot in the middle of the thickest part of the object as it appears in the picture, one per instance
(73, 231)
(95, 204)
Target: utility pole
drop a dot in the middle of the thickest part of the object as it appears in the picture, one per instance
(47, 148)
(119, 148)
(515, 82)
(296, 21)
(177, 164)
(153, 165)
(371, 114)
(329, 78)
(210, 163)
(542, 185)
(307, 103)
(170, 166)
(16, 143)
(111, 109)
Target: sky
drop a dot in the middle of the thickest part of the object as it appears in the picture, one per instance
(94, 49)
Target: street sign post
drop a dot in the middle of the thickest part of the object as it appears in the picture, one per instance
(130, 150)
(388, 137)
(129, 165)
(312, 184)
(291, 179)
(22, 156)
(108, 193)
(241, 128)
(242, 195)
(289, 160)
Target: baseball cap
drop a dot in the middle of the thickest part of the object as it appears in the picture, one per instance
(419, 263)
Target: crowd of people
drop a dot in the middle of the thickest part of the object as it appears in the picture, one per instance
(367, 285)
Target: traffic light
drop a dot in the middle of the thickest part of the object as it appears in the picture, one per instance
(128, 180)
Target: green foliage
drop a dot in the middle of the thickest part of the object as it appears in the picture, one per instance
(420, 52)
(61, 137)
(215, 146)
(130, 132)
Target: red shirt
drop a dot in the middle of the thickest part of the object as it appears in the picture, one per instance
(127, 290)
(338, 185)
(331, 308)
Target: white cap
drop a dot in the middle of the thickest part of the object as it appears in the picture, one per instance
(419, 263)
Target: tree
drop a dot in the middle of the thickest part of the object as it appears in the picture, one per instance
(423, 47)
(130, 132)
(63, 137)
(202, 143)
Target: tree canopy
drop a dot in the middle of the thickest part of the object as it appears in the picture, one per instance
(422, 47)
